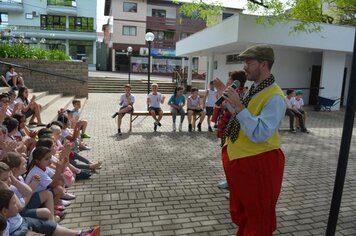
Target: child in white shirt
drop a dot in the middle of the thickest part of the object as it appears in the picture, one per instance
(194, 107)
(154, 101)
(209, 102)
(126, 102)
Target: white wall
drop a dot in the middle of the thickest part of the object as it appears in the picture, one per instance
(292, 69)
(332, 72)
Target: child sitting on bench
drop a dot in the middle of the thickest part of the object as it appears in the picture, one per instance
(154, 101)
(126, 102)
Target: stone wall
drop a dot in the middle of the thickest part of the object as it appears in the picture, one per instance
(51, 83)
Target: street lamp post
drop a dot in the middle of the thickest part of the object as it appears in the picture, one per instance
(129, 53)
(149, 38)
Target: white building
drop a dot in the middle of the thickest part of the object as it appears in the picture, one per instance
(68, 25)
(303, 60)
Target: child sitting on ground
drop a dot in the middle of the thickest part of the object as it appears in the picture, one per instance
(195, 107)
(40, 165)
(31, 202)
(154, 101)
(75, 118)
(84, 164)
(71, 135)
(20, 226)
(126, 102)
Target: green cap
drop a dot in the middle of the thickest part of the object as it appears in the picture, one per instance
(298, 92)
(262, 52)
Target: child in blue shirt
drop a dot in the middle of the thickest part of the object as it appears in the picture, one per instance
(177, 102)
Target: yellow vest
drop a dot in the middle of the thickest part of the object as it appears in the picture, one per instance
(243, 146)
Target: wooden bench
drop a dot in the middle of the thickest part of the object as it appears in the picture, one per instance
(134, 115)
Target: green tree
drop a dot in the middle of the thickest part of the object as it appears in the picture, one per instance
(309, 13)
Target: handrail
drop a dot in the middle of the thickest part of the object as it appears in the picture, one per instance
(40, 71)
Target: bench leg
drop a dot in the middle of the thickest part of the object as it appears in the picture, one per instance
(194, 118)
(130, 123)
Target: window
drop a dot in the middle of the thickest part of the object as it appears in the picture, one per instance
(184, 35)
(69, 3)
(49, 22)
(129, 30)
(233, 59)
(158, 13)
(130, 7)
(81, 23)
(29, 16)
(4, 18)
(226, 15)
(163, 35)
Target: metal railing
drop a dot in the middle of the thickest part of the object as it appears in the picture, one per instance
(66, 3)
(41, 71)
(25, 27)
(12, 1)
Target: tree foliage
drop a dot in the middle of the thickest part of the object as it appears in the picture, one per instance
(310, 14)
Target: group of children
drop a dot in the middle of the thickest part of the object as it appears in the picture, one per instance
(295, 105)
(196, 106)
(37, 168)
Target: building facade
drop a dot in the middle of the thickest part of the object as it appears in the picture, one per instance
(132, 19)
(68, 25)
(317, 63)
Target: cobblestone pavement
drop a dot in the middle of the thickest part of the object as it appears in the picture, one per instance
(164, 183)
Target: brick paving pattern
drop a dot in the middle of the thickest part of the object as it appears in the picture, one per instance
(164, 183)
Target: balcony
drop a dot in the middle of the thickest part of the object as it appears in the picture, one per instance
(66, 7)
(161, 43)
(49, 32)
(161, 23)
(13, 6)
(190, 25)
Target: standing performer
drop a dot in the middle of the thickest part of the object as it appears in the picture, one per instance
(252, 158)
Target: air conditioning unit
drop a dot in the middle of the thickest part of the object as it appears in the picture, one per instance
(35, 14)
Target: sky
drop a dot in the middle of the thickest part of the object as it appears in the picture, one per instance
(101, 19)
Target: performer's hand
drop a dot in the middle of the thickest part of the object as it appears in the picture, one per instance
(233, 98)
(219, 86)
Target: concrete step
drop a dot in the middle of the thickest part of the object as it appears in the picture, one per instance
(51, 113)
(4, 89)
(47, 100)
(39, 95)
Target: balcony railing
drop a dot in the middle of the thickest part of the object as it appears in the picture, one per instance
(67, 3)
(12, 1)
(161, 23)
(158, 43)
(44, 28)
(15, 6)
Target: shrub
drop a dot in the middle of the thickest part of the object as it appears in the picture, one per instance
(23, 51)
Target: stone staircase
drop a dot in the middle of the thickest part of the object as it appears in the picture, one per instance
(50, 103)
(116, 85)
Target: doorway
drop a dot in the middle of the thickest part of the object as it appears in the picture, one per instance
(314, 84)
(122, 62)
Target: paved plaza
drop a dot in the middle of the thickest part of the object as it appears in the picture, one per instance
(164, 183)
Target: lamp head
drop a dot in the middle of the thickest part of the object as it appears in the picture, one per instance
(129, 49)
(149, 36)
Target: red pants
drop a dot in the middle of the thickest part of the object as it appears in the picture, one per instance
(254, 184)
